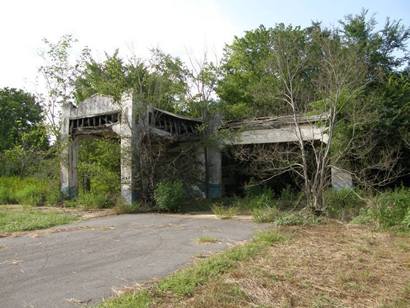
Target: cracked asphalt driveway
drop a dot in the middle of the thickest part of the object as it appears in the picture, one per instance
(84, 262)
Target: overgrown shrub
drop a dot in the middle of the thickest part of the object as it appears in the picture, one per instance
(343, 204)
(392, 207)
(122, 207)
(28, 191)
(8, 186)
(99, 172)
(262, 200)
(89, 200)
(387, 209)
(265, 214)
(4, 195)
(53, 196)
(31, 194)
(169, 195)
(406, 220)
(256, 197)
(288, 198)
(365, 217)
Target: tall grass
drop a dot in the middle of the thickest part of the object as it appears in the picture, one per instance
(343, 204)
(26, 219)
(28, 191)
(390, 209)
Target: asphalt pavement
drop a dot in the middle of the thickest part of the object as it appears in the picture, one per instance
(83, 263)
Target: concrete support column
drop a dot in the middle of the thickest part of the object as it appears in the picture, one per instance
(202, 176)
(69, 157)
(214, 161)
(127, 134)
(341, 179)
(214, 166)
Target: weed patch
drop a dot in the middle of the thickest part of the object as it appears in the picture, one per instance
(185, 282)
(326, 265)
(264, 215)
(28, 191)
(296, 219)
(31, 219)
(224, 212)
(169, 195)
(207, 240)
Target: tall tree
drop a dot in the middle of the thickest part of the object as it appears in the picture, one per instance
(59, 73)
(20, 114)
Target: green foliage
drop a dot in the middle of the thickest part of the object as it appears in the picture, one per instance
(248, 88)
(364, 217)
(31, 195)
(389, 209)
(140, 299)
(296, 218)
(20, 114)
(13, 220)
(224, 212)
(371, 135)
(5, 196)
(99, 172)
(169, 195)
(206, 239)
(343, 204)
(28, 191)
(24, 140)
(262, 205)
(392, 207)
(89, 200)
(289, 198)
(406, 220)
(121, 207)
(262, 200)
(264, 215)
(161, 81)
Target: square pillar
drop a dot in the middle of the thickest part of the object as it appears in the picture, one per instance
(69, 157)
(214, 167)
(128, 131)
(213, 158)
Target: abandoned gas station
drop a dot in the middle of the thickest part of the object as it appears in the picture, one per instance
(100, 116)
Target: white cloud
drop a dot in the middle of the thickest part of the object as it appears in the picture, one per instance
(178, 27)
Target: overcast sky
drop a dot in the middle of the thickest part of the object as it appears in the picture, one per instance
(180, 27)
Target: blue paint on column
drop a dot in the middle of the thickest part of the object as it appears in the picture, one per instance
(69, 193)
(214, 191)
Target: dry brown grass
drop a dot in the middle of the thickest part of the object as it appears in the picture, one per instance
(331, 265)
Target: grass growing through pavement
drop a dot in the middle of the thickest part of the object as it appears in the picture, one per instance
(27, 219)
(185, 282)
(224, 212)
(207, 240)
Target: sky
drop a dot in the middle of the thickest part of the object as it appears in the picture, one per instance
(183, 28)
